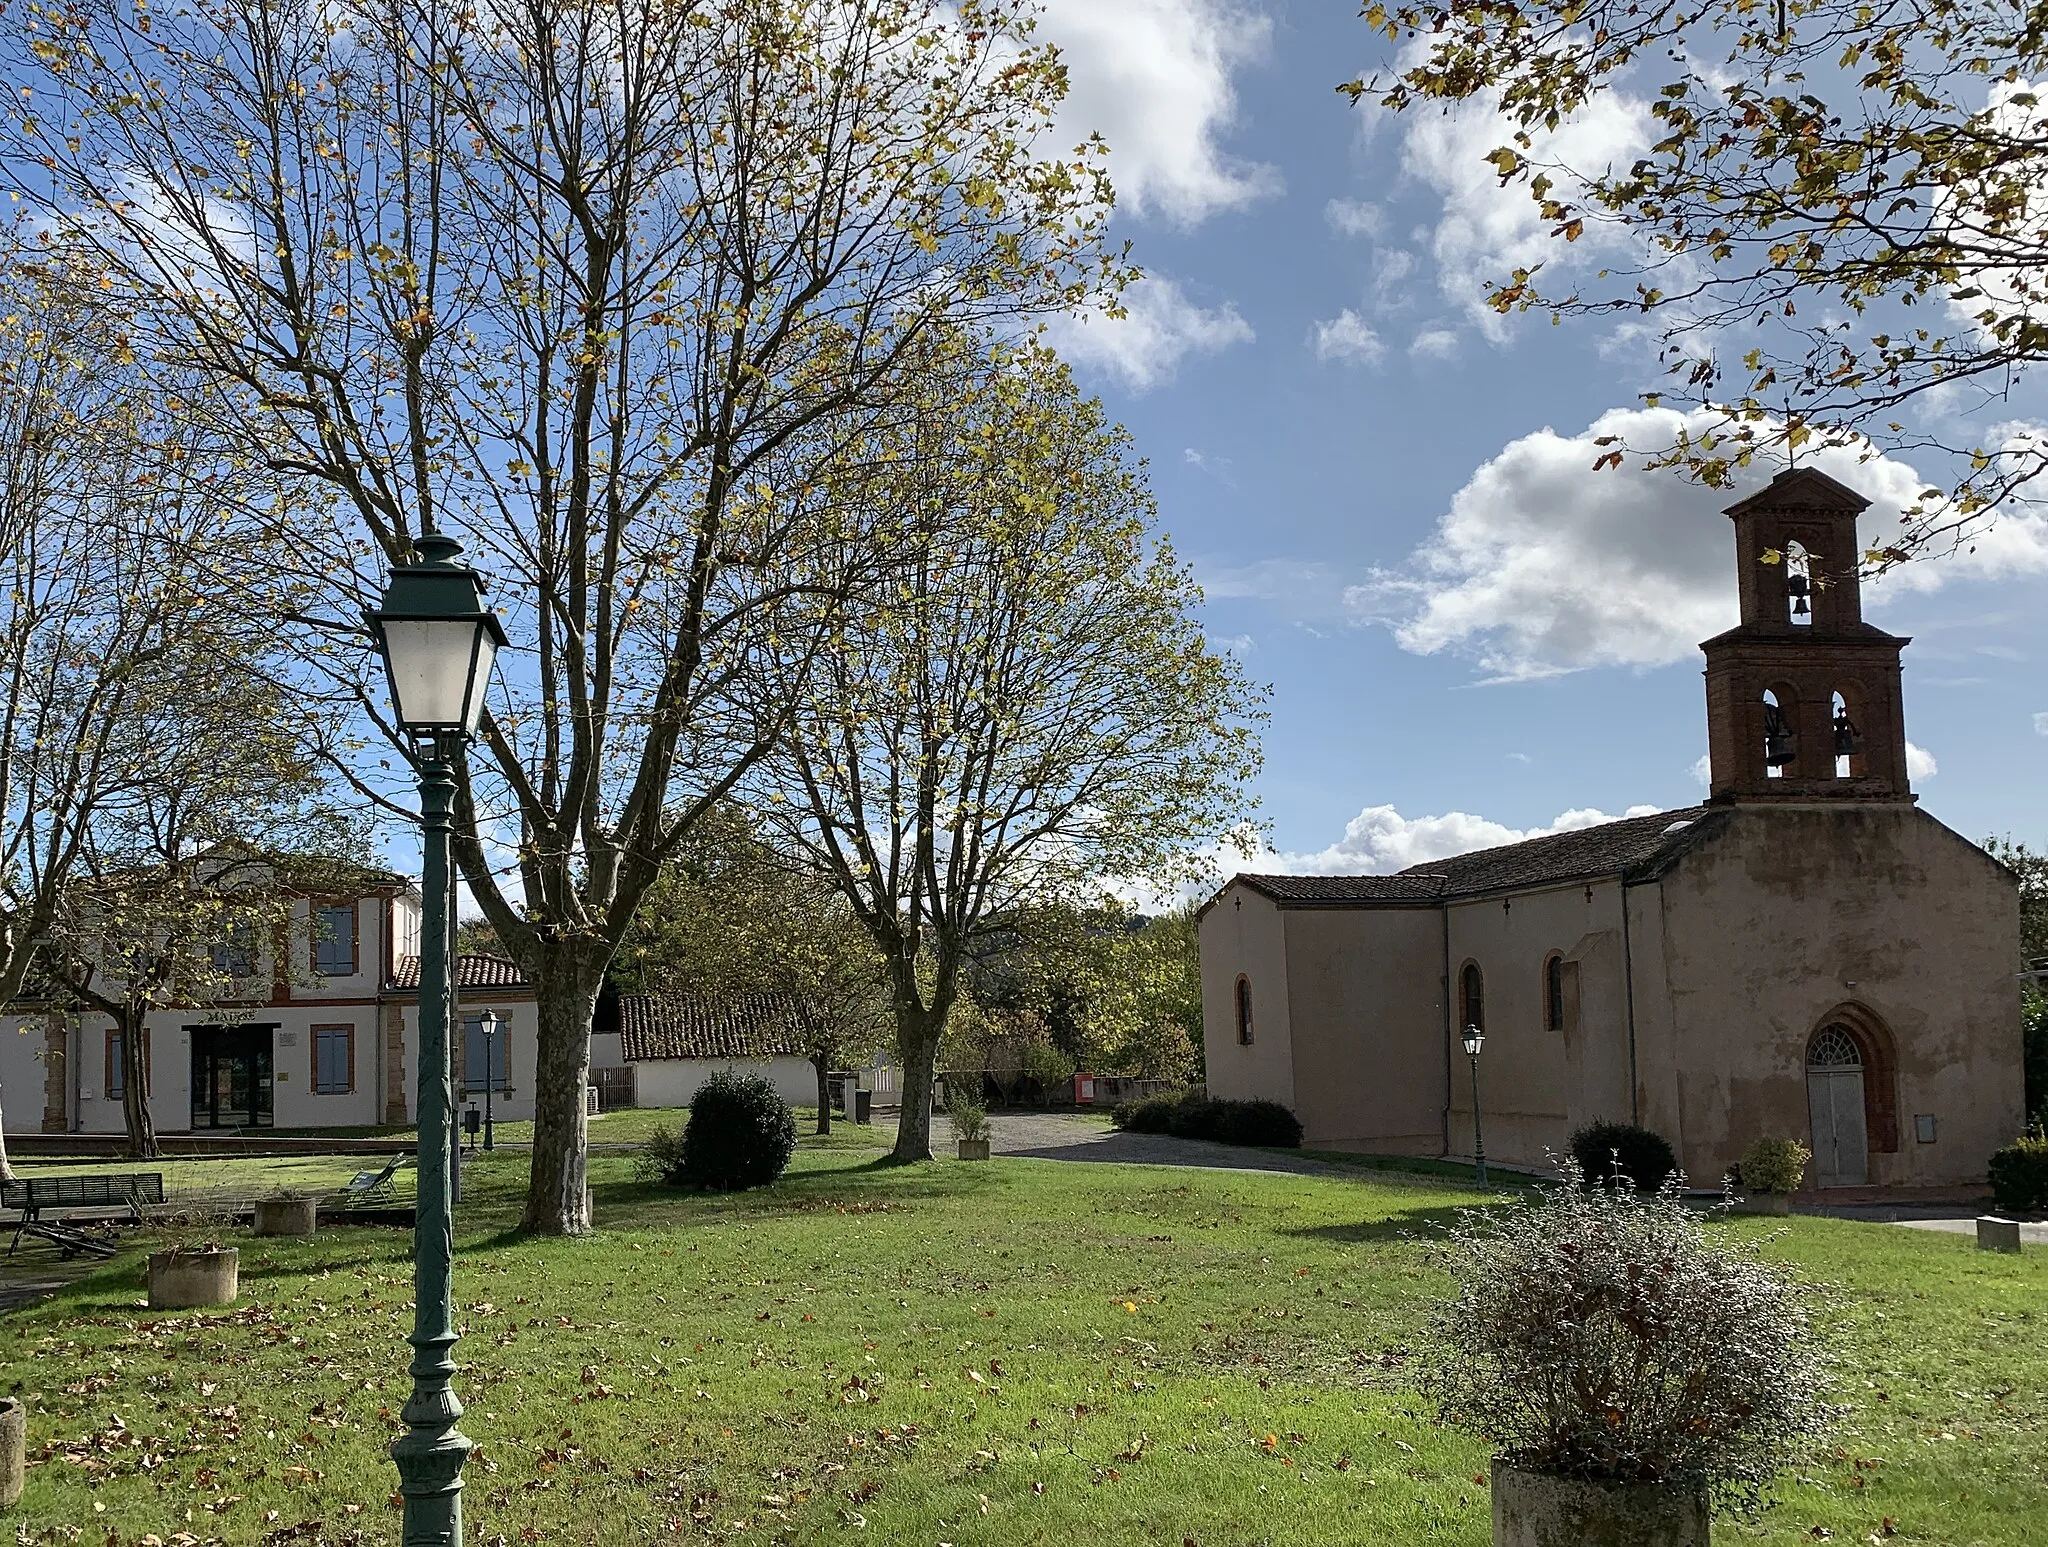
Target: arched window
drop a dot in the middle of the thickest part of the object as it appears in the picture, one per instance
(1553, 992)
(1781, 740)
(1244, 1011)
(1834, 1048)
(1798, 583)
(1848, 733)
(1471, 998)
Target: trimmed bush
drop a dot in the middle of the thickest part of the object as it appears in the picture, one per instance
(741, 1134)
(1192, 1115)
(2019, 1175)
(1773, 1165)
(1602, 1149)
(660, 1158)
(1604, 1334)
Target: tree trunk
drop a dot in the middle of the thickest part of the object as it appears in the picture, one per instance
(823, 1064)
(565, 994)
(917, 1040)
(135, 1114)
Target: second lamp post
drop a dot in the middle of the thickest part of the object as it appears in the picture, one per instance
(1474, 1040)
(438, 641)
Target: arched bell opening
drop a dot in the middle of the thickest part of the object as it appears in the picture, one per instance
(1799, 584)
(1781, 736)
(1846, 728)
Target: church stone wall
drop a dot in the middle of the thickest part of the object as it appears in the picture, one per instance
(1795, 913)
(1365, 1000)
(1243, 934)
(1538, 1084)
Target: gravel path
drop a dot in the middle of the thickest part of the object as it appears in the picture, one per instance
(1077, 1136)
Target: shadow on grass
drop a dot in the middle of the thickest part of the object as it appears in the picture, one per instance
(1418, 1224)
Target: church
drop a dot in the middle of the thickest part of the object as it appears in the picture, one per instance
(1805, 954)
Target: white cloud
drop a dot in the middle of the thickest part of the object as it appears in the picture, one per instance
(1487, 231)
(1355, 217)
(1350, 338)
(1153, 77)
(1160, 328)
(1703, 770)
(2041, 724)
(1542, 565)
(1379, 841)
(1265, 580)
(1920, 763)
(1434, 344)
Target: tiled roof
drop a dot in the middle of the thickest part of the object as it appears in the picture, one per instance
(471, 972)
(655, 1026)
(1633, 846)
(1401, 888)
(1629, 845)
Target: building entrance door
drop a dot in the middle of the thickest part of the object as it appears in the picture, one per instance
(231, 1076)
(1834, 1100)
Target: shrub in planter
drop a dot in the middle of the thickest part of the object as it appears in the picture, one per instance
(1610, 1338)
(970, 1117)
(1773, 1165)
(2019, 1175)
(1599, 1149)
(741, 1134)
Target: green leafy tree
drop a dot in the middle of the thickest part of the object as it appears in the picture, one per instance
(2032, 870)
(1032, 706)
(1838, 216)
(603, 291)
(731, 915)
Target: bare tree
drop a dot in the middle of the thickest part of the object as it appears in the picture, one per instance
(601, 289)
(191, 870)
(110, 528)
(1032, 709)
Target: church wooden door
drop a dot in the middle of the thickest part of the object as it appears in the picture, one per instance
(1834, 1099)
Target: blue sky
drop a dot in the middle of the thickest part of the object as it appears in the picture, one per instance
(1387, 490)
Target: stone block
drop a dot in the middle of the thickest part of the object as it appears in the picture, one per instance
(1997, 1235)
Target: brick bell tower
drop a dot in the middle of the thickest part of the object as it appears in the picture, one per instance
(1803, 696)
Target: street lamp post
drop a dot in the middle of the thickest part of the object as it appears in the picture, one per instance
(490, 1022)
(438, 642)
(1474, 1040)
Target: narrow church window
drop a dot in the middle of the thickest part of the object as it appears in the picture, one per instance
(1471, 997)
(1781, 742)
(1553, 992)
(1799, 584)
(1244, 1011)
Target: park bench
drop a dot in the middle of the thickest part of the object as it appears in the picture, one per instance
(32, 1195)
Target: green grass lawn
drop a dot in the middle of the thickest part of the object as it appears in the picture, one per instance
(1016, 1352)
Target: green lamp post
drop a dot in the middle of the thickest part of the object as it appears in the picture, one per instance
(438, 642)
(1475, 1039)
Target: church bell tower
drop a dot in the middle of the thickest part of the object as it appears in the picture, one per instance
(1803, 696)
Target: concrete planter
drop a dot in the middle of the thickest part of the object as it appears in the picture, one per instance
(973, 1149)
(1764, 1203)
(179, 1279)
(1539, 1509)
(287, 1216)
(13, 1449)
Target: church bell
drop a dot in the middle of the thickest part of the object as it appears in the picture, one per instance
(1781, 746)
(1847, 741)
(1797, 587)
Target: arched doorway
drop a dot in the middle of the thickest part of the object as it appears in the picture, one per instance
(1835, 1106)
